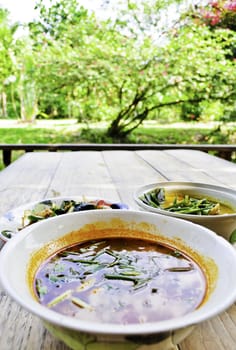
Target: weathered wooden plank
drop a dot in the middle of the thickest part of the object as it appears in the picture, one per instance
(129, 171)
(27, 179)
(83, 173)
(175, 168)
(218, 170)
(218, 333)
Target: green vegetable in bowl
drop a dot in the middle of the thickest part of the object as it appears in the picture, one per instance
(49, 208)
(180, 203)
(232, 238)
(154, 197)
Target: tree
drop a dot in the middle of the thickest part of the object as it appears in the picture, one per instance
(103, 67)
(27, 88)
(191, 69)
(117, 71)
(220, 17)
(62, 44)
(7, 54)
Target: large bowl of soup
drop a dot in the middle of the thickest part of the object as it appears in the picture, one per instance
(211, 206)
(119, 280)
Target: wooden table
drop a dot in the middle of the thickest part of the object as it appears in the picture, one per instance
(105, 174)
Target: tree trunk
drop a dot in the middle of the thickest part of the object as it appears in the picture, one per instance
(4, 104)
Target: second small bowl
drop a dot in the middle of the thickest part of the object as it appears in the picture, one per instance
(222, 224)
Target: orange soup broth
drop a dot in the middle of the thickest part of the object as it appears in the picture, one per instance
(117, 228)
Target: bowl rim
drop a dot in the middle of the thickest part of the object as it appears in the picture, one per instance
(187, 185)
(49, 316)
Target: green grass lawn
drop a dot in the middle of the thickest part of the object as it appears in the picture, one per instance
(69, 131)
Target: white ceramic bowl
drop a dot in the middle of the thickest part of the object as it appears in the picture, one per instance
(217, 256)
(223, 225)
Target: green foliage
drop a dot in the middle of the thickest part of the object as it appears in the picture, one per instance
(118, 70)
(7, 55)
(191, 111)
(57, 20)
(6, 48)
(68, 73)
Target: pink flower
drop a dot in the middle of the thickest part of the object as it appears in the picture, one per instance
(230, 6)
(215, 20)
(207, 15)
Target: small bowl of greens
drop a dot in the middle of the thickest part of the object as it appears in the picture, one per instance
(211, 206)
